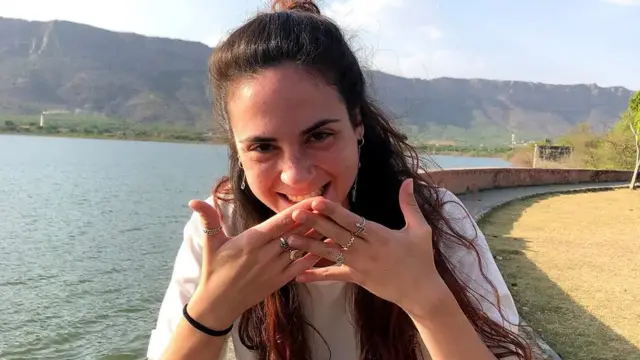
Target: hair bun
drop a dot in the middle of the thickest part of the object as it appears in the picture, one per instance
(307, 6)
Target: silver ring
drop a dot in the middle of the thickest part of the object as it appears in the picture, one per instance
(283, 243)
(351, 240)
(212, 231)
(360, 225)
(339, 259)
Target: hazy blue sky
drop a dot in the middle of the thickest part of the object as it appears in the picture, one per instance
(553, 41)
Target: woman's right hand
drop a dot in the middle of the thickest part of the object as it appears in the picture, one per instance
(239, 272)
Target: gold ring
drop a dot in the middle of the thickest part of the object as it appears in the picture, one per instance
(212, 231)
(295, 255)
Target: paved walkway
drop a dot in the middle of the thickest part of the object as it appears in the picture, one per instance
(482, 202)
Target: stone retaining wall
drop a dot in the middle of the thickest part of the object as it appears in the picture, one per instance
(460, 181)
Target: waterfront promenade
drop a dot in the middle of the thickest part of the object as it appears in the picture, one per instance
(479, 203)
(482, 190)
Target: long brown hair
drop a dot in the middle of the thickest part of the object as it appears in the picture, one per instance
(276, 328)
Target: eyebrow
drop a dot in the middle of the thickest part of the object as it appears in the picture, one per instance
(266, 139)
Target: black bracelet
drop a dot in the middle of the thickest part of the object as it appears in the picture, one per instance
(203, 328)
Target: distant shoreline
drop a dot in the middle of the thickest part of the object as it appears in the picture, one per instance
(476, 153)
(106, 137)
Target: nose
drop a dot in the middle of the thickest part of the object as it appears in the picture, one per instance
(297, 171)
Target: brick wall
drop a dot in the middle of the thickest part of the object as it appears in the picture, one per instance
(465, 180)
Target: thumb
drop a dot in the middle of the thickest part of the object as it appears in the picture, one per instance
(409, 205)
(211, 220)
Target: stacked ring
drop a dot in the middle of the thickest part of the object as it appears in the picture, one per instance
(360, 225)
(213, 231)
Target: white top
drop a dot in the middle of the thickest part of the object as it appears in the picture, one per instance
(329, 312)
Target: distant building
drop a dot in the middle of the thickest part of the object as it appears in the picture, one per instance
(551, 153)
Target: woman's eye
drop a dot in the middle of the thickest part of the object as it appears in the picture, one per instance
(320, 136)
(261, 148)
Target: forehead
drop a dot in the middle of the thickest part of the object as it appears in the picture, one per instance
(281, 101)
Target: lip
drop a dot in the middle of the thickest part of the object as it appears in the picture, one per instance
(284, 197)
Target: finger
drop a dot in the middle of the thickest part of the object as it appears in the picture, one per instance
(409, 206)
(275, 246)
(341, 216)
(210, 220)
(294, 268)
(277, 224)
(323, 249)
(289, 256)
(313, 234)
(329, 273)
(303, 230)
(323, 225)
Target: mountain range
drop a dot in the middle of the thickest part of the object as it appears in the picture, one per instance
(60, 65)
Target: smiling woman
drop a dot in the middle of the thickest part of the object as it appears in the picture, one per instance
(293, 137)
(324, 241)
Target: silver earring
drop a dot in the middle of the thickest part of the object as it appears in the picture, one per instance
(355, 183)
(243, 184)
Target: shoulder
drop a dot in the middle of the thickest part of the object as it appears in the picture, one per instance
(453, 207)
(472, 261)
(463, 238)
(459, 222)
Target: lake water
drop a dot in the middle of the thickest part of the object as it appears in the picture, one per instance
(88, 233)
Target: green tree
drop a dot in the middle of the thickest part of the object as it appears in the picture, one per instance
(586, 147)
(633, 119)
(619, 146)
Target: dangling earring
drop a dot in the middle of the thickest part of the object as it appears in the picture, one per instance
(243, 184)
(355, 183)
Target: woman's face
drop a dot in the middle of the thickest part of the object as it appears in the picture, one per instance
(293, 136)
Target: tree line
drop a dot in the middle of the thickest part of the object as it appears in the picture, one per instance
(618, 148)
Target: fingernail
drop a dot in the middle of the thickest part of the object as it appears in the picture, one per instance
(318, 205)
(299, 217)
(293, 241)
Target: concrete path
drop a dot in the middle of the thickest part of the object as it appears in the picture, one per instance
(480, 203)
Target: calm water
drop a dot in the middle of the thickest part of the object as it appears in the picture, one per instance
(88, 233)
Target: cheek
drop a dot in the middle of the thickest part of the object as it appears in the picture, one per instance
(261, 176)
(343, 164)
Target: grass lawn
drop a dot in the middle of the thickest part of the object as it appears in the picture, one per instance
(572, 263)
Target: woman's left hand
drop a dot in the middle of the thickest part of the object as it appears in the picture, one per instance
(396, 265)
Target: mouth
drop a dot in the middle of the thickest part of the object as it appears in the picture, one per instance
(297, 198)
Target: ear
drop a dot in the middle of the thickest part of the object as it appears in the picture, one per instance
(359, 128)
(359, 131)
